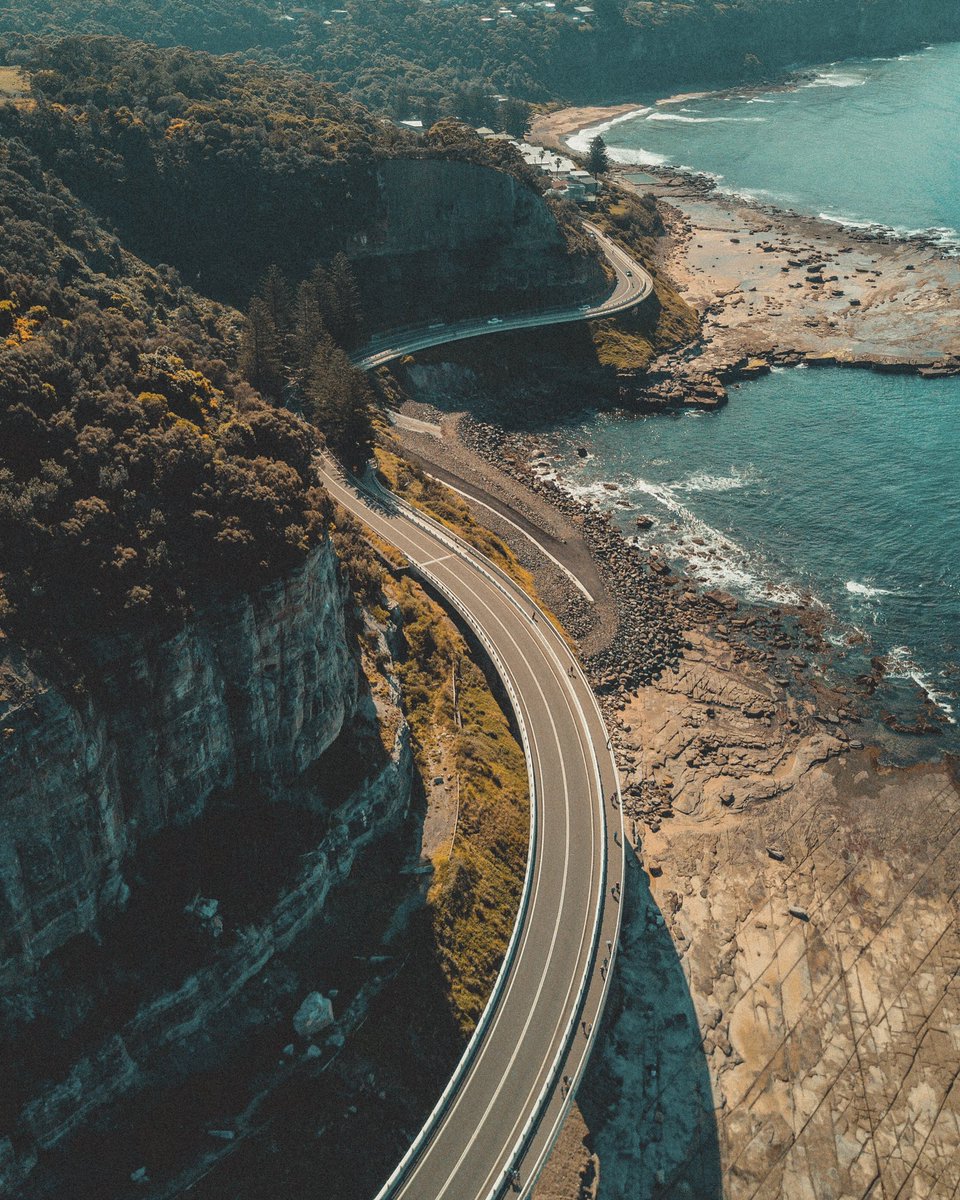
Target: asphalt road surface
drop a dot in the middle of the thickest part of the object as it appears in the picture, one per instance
(633, 285)
(504, 1107)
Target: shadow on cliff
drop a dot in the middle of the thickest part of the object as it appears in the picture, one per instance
(646, 1097)
(520, 380)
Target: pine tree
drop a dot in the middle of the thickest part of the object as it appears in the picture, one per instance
(308, 327)
(275, 293)
(327, 301)
(337, 400)
(598, 161)
(261, 361)
(350, 307)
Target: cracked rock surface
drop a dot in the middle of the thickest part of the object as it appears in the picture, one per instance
(787, 1016)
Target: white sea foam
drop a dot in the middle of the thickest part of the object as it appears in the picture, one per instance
(942, 236)
(702, 482)
(835, 79)
(752, 195)
(864, 589)
(580, 141)
(637, 158)
(664, 116)
(716, 560)
(901, 665)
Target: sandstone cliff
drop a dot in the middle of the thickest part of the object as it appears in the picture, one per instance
(454, 238)
(244, 757)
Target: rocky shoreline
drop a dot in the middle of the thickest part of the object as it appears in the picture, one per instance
(768, 838)
(777, 288)
(792, 929)
(749, 782)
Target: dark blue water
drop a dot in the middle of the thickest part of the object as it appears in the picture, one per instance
(865, 142)
(840, 486)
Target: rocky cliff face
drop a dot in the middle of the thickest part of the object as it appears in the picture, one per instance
(246, 754)
(257, 689)
(456, 238)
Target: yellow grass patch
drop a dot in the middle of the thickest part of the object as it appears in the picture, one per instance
(15, 88)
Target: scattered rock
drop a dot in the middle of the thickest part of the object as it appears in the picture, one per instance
(313, 1016)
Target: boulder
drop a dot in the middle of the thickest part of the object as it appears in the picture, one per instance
(313, 1015)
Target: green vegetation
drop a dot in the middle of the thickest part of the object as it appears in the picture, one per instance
(222, 168)
(476, 888)
(143, 456)
(631, 342)
(138, 471)
(122, 500)
(597, 161)
(441, 503)
(417, 58)
(293, 348)
(215, 167)
(457, 726)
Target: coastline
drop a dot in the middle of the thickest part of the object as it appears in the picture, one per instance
(792, 927)
(751, 793)
(775, 287)
(754, 786)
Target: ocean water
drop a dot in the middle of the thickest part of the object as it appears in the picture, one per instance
(836, 487)
(863, 142)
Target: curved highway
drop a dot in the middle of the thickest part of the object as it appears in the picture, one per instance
(505, 1105)
(633, 285)
(500, 1114)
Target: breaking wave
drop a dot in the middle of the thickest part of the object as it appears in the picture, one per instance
(901, 665)
(709, 556)
(864, 589)
(662, 116)
(835, 79)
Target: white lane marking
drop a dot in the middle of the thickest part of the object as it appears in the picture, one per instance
(519, 528)
(532, 1011)
(406, 524)
(431, 561)
(553, 663)
(575, 982)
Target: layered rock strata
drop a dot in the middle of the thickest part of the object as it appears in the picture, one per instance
(256, 708)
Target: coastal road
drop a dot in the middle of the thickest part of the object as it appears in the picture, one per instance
(504, 1106)
(633, 285)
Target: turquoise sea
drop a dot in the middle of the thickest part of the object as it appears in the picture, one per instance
(840, 487)
(865, 142)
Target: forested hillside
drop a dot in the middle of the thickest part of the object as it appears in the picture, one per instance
(136, 467)
(417, 59)
(144, 451)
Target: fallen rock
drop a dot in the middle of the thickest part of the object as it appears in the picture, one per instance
(313, 1015)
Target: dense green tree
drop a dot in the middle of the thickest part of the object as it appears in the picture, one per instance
(308, 327)
(338, 400)
(261, 361)
(351, 330)
(597, 160)
(275, 293)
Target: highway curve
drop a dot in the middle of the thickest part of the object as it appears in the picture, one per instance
(633, 285)
(507, 1100)
(498, 1117)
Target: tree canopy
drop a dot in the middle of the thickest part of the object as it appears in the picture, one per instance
(597, 161)
(137, 469)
